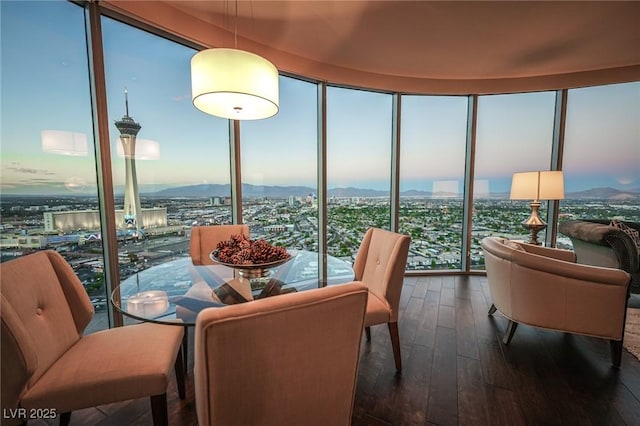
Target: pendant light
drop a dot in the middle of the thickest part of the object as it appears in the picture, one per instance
(234, 84)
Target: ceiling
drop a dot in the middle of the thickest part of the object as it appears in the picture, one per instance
(437, 46)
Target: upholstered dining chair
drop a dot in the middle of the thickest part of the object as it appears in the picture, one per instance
(285, 360)
(47, 361)
(380, 264)
(204, 239)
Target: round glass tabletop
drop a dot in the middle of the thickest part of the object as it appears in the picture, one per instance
(178, 290)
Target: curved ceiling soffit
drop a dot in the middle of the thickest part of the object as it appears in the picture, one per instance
(561, 59)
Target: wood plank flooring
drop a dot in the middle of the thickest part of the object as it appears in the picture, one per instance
(456, 371)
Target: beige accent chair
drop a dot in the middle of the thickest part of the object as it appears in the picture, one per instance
(204, 239)
(48, 363)
(285, 360)
(544, 287)
(380, 265)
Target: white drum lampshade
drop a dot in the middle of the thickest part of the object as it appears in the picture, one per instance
(541, 185)
(234, 84)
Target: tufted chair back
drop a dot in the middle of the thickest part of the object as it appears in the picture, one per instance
(41, 318)
(380, 265)
(47, 362)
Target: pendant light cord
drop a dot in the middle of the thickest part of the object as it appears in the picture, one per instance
(235, 30)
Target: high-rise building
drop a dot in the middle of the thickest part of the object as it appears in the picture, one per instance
(128, 131)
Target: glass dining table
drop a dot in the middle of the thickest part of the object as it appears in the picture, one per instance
(176, 291)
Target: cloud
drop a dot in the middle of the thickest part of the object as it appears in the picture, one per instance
(29, 171)
(181, 98)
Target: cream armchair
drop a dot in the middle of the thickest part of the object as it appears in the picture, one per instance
(47, 362)
(544, 287)
(204, 239)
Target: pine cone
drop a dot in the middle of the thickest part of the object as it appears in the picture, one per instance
(240, 250)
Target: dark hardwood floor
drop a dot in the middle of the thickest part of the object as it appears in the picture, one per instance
(456, 371)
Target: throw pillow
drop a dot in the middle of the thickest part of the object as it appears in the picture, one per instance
(632, 233)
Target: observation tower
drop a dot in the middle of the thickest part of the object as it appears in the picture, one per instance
(128, 131)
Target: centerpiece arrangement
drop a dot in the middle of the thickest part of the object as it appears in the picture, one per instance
(251, 258)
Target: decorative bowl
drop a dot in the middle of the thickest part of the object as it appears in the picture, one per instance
(256, 270)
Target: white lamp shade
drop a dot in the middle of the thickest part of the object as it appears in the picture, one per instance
(64, 142)
(542, 185)
(234, 84)
(145, 149)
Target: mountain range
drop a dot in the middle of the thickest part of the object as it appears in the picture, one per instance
(253, 191)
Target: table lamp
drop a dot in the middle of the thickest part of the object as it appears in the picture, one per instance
(536, 186)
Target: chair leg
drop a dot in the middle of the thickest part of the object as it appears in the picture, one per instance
(511, 329)
(395, 343)
(367, 331)
(179, 369)
(159, 410)
(616, 352)
(65, 418)
(492, 309)
(185, 348)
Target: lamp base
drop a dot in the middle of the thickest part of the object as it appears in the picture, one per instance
(534, 224)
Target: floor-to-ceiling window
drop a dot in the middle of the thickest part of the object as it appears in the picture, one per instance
(514, 134)
(432, 161)
(170, 161)
(49, 185)
(601, 161)
(279, 169)
(358, 166)
(182, 161)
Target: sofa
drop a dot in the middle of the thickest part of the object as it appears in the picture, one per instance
(597, 243)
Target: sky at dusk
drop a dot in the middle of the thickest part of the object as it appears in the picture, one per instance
(46, 86)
